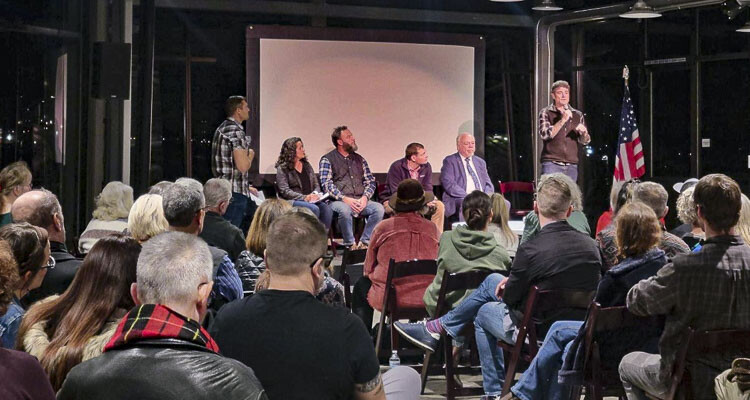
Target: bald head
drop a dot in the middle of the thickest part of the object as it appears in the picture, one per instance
(465, 144)
(40, 208)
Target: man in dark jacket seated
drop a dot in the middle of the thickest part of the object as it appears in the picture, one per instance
(159, 350)
(217, 231)
(638, 232)
(559, 257)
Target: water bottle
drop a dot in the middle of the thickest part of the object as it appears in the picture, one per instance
(394, 361)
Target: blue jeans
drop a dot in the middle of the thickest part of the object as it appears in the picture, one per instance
(321, 210)
(236, 210)
(540, 379)
(482, 307)
(571, 170)
(373, 213)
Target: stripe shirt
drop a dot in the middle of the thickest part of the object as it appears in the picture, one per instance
(230, 136)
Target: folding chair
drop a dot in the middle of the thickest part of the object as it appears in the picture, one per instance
(701, 343)
(452, 282)
(514, 187)
(350, 259)
(539, 304)
(390, 309)
(597, 378)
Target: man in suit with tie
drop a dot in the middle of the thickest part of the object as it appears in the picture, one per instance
(462, 173)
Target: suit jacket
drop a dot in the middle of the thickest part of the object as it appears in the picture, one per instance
(453, 178)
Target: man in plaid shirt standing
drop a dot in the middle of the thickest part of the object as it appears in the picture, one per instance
(231, 157)
(707, 290)
(346, 177)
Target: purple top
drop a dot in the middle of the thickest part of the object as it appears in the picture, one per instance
(399, 171)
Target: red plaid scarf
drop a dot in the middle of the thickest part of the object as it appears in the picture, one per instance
(156, 321)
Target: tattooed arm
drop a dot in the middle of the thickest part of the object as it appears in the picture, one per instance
(371, 390)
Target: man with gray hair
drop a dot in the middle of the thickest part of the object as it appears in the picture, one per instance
(655, 196)
(41, 208)
(217, 231)
(462, 173)
(184, 210)
(299, 347)
(160, 345)
(559, 257)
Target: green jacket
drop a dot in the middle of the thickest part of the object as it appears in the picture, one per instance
(531, 226)
(463, 250)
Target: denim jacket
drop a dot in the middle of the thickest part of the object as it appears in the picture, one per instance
(9, 324)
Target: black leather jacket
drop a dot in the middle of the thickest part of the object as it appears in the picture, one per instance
(161, 369)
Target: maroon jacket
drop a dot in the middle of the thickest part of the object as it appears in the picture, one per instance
(399, 171)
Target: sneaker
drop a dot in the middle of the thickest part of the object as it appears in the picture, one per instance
(417, 334)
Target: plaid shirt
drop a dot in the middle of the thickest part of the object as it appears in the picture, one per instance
(671, 244)
(545, 124)
(228, 137)
(706, 290)
(327, 184)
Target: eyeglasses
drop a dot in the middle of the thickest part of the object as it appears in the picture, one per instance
(50, 263)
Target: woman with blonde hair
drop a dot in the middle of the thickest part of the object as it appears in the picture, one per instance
(15, 180)
(146, 218)
(110, 216)
(743, 225)
(499, 225)
(30, 247)
(687, 214)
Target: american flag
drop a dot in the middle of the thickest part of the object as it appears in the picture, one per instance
(629, 162)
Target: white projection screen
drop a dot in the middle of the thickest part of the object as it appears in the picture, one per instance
(389, 94)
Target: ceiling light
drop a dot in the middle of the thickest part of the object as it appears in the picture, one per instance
(745, 28)
(546, 5)
(641, 10)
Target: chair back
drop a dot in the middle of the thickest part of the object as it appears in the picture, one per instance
(348, 259)
(458, 281)
(403, 269)
(541, 303)
(515, 187)
(704, 342)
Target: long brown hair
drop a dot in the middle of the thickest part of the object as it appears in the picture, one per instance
(637, 229)
(101, 286)
(267, 212)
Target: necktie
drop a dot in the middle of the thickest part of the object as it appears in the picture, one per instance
(473, 174)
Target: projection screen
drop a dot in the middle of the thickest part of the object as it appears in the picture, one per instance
(389, 94)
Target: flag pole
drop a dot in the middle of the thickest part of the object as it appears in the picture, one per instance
(626, 74)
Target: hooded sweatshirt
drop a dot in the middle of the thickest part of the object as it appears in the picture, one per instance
(464, 250)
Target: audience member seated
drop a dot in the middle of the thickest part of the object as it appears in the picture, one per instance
(577, 218)
(467, 248)
(190, 183)
(159, 187)
(298, 347)
(606, 218)
(499, 227)
(559, 257)
(31, 252)
(638, 232)
(252, 266)
(146, 218)
(62, 331)
(680, 187)
(15, 180)
(110, 216)
(296, 181)
(706, 290)
(406, 236)
(41, 208)
(184, 210)
(21, 375)
(414, 165)
(743, 225)
(462, 173)
(655, 196)
(346, 177)
(686, 214)
(217, 231)
(145, 360)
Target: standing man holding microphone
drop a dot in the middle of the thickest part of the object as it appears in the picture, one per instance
(561, 127)
(231, 157)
